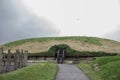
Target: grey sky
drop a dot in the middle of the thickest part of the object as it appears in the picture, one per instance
(17, 23)
(115, 34)
(40, 18)
(99, 18)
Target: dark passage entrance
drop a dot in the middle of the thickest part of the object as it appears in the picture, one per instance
(60, 54)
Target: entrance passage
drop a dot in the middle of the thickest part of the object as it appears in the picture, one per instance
(70, 72)
(60, 54)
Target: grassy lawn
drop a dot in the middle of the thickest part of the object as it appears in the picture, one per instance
(89, 71)
(104, 60)
(109, 68)
(41, 71)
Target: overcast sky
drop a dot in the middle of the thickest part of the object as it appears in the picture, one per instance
(36, 18)
(18, 23)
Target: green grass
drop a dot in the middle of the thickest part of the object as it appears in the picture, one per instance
(90, 40)
(110, 71)
(89, 71)
(41, 71)
(109, 68)
(104, 60)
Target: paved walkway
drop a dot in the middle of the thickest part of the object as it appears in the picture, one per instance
(70, 72)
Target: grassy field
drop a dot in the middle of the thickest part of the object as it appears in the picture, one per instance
(41, 71)
(104, 60)
(80, 43)
(109, 68)
(89, 71)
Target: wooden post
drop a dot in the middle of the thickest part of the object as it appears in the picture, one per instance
(1, 56)
(8, 60)
(17, 59)
(4, 58)
(25, 57)
(22, 59)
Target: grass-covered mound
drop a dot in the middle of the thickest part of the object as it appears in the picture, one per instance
(41, 71)
(90, 40)
(79, 43)
(108, 68)
(71, 52)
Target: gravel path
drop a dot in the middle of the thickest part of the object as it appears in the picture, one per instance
(70, 72)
